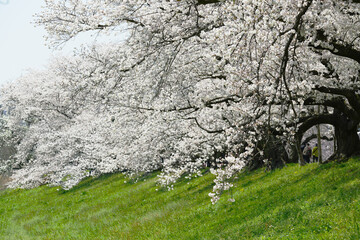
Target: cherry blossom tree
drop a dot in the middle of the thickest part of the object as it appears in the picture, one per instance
(222, 83)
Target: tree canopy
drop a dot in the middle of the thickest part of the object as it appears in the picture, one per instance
(195, 83)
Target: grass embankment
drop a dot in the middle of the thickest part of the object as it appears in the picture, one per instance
(311, 202)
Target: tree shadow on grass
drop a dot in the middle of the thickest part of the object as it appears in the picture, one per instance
(207, 188)
(143, 177)
(89, 182)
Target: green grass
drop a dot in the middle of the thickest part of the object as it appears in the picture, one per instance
(311, 202)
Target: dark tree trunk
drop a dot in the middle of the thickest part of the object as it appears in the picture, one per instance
(275, 155)
(293, 158)
(348, 142)
(254, 163)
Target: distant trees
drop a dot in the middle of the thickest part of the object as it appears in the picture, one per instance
(225, 83)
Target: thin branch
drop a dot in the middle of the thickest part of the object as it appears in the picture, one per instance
(203, 128)
(285, 58)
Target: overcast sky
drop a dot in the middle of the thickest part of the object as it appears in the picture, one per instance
(21, 44)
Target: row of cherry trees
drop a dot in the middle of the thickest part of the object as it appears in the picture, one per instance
(220, 83)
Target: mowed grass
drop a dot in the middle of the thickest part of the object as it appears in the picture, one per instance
(311, 202)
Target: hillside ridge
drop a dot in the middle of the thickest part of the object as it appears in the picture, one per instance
(310, 202)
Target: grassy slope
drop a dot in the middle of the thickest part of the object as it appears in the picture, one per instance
(311, 202)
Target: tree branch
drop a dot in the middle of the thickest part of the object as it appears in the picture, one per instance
(201, 127)
(335, 47)
(349, 94)
(310, 121)
(313, 136)
(285, 57)
(335, 102)
(204, 2)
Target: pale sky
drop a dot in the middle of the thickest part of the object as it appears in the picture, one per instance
(22, 45)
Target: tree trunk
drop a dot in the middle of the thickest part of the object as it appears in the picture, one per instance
(294, 154)
(319, 143)
(347, 140)
(299, 151)
(275, 155)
